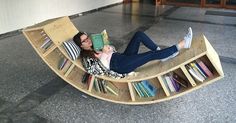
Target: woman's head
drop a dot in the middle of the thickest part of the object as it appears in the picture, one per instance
(83, 41)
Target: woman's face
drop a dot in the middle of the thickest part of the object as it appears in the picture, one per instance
(86, 42)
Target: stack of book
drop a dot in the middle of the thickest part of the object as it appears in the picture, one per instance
(173, 82)
(144, 89)
(47, 41)
(199, 70)
(65, 66)
(100, 85)
(103, 86)
(87, 78)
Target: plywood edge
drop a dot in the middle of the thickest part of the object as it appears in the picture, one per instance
(43, 23)
(213, 57)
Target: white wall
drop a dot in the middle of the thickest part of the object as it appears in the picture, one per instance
(17, 14)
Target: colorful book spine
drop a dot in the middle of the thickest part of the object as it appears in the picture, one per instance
(201, 69)
(136, 89)
(169, 83)
(150, 88)
(197, 71)
(104, 86)
(165, 86)
(101, 86)
(46, 43)
(143, 90)
(179, 80)
(193, 73)
(205, 68)
(62, 63)
(146, 92)
(175, 84)
(139, 89)
(85, 78)
(96, 86)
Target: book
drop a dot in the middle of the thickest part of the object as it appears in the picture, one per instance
(201, 69)
(179, 80)
(194, 66)
(104, 85)
(62, 63)
(194, 74)
(205, 68)
(100, 86)
(175, 84)
(136, 89)
(164, 86)
(96, 86)
(85, 78)
(197, 72)
(145, 91)
(169, 83)
(66, 67)
(150, 88)
(139, 89)
(142, 89)
(99, 40)
(46, 43)
(112, 88)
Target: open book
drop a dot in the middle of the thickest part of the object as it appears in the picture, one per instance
(99, 40)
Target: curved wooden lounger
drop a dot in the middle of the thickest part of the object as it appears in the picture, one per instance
(61, 29)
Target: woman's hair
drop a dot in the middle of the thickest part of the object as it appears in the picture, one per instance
(83, 53)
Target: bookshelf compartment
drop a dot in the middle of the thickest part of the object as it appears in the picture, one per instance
(75, 79)
(123, 92)
(174, 82)
(200, 71)
(54, 59)
(40, 40)
(158, 95)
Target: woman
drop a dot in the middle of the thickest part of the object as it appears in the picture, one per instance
(130, 59)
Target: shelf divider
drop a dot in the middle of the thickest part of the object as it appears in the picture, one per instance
(131, 91)
(49, 50)
(190, 79)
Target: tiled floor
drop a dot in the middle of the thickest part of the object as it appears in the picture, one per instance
(31, 93)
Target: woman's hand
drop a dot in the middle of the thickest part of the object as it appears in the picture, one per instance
(107, 49)
(98, 54)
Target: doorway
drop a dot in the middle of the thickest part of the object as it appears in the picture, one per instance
(203, 3)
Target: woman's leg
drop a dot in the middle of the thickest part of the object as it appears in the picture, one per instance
(134, 43)
(124, 64)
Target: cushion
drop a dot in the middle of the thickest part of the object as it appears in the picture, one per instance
(72, 49)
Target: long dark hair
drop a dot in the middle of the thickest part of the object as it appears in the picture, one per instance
(83, 53)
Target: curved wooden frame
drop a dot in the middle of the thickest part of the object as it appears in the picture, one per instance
(62, 29)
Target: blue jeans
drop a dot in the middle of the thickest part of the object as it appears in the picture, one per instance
(130, 60)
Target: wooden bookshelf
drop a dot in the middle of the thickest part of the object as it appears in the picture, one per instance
(62, 29)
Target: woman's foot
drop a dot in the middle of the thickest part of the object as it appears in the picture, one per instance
(186, 43)
(188, 38)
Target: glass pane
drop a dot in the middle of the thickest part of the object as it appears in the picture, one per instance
(230, 2)
(212, 1)
(185, 1)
